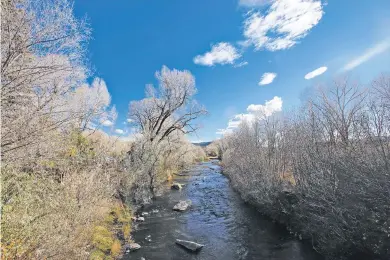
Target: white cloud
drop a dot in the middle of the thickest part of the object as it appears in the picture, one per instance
(368, 54)
(119, 131)
(252, 3)
(315, 73)
(197, 141)
(235, 122)
(267, 78)
(244, 44)
(241, 64)
(285, 22)
(221, 53)
(224, 131)
(107, 123)
(270, 107)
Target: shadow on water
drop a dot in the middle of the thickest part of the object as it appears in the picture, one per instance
(217, 218)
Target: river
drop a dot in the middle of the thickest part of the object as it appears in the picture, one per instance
(218, 218)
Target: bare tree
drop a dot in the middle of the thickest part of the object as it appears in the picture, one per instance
(338, 108)
(42, 48)
(89, 105)
(169, 108)
(167, 113)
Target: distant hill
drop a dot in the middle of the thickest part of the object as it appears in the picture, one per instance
(202, 144)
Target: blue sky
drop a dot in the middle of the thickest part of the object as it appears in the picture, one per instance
(229, 45)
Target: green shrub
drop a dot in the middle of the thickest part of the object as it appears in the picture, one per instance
(110, 219)
(122, 214)
(97, 255)
(126, 230)
(102, 238)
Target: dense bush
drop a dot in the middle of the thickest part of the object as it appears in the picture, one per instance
(323, 171)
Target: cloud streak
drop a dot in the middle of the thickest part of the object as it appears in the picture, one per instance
(253, 3)
(316, 72)
(241, 64)
(370, 53)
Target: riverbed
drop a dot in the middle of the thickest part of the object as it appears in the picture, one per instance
(218, 218)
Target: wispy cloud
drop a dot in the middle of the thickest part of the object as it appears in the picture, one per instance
(220, 53)
(266, 109)
(119, 131)
(253, 3)
(375, 50)
(285, 22)
(316, 72)
(267, 78)
(107, 123)
(241, 64)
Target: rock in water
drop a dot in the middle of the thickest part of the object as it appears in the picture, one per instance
(134, 246)
(182, 205)
(189, 245)
(176, 186)
(148, 238)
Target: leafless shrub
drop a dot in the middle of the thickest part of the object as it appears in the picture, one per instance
(332, 157)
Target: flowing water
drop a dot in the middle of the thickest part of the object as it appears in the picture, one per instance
(218, 218)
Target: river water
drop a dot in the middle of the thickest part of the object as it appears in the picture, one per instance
(218, 218)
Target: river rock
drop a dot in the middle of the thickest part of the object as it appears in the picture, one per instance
(176, 186)
(138, 219)
(193, 246)
(182, 205)
(134, 246)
